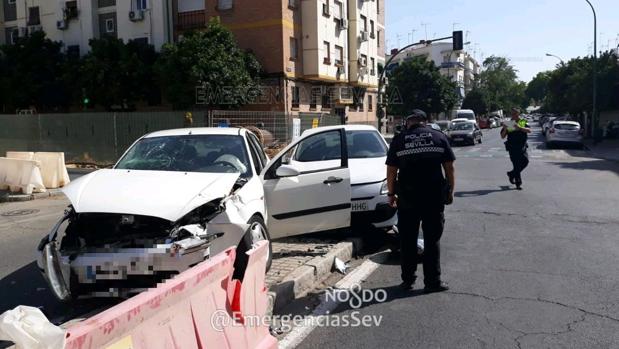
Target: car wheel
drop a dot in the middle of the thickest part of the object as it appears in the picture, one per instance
(256, 232)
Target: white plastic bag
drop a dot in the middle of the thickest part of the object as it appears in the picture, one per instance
(28, 328)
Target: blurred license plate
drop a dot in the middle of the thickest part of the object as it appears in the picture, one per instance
(358, 206)
(458, 139)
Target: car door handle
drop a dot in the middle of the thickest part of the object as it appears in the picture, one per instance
(333, 180)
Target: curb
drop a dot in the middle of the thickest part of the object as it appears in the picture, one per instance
(33, 196)
(303, 279)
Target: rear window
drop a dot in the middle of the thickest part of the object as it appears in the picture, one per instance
(567, 127)
(365, 144)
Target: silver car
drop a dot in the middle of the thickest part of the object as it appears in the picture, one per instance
(564, 132)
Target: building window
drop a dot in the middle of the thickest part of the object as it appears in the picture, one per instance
(12, 2)
(372, 66)
(377, 6)
(294, 52)
(378, 37)
(372, 34)
(33, 16)
(141, 5)
(12, 35)
(339, 56)
(326, 98)
(295, 97)
(370, 103)
(364, 23)
(224, 4)
(106, 3)
(326, 10)
(362, 103)
(292, 4)
(314, 95)
(109, 25)
(339, 10)
(10, 11)
(327, 52)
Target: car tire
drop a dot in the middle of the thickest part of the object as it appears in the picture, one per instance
(257, 231)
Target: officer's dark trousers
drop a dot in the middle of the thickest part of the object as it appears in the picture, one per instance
(432, 222)
(520, 160)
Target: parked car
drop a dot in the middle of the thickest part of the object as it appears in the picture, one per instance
(443, 124)
(496, 122)
(564, 132)
(548, 124)
(484, 123)
(435, 126)
(465, 132)
(177, 197)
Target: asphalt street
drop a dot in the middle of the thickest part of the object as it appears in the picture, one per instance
(527, 269)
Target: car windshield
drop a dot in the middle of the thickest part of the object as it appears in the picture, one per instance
(188, 153)
(465, 115)
(462, 126)
(365, 144)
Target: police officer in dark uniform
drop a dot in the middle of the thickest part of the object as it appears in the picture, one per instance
(416, 159)
(517, 134)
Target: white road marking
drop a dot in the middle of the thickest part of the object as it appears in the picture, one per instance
(298, 334)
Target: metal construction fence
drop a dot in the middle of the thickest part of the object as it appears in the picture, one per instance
(101, 138)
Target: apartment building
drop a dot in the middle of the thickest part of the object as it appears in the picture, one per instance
(317, 54)
(75, 22)
(459, 66)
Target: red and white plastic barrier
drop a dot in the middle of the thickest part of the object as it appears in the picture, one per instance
(193, 310)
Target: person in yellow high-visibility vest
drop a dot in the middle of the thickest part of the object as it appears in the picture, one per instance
(517, 133)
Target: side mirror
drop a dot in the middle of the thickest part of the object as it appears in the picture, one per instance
(287, 171)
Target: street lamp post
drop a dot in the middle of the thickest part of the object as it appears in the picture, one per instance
(595, 77)
(555, 56)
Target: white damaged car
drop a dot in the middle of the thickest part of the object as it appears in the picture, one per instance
(177, 197)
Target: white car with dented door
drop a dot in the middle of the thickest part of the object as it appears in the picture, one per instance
(178, 197)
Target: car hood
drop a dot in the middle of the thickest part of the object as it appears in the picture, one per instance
(368, 170)
(163, 194)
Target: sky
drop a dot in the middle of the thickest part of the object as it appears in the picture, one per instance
(522, 30)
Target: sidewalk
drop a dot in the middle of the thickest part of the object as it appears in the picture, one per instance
(608, 149)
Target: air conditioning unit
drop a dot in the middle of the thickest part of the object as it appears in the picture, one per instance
(362, 62)
(62, 25)
(341, 70)
(364, 36)
(342, 95)
(363, 71)
(342, 23)
(136, 16)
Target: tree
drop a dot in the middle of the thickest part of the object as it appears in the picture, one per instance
(538, 87)
(212, 62)
(117, 74)
(500, 82)
(476, 100)
(31, 74)
(420, 85)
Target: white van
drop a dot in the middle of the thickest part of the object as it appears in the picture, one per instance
(464, 114)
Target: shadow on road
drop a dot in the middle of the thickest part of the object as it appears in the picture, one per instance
(596, 164)
(26, 286)
(473, 193)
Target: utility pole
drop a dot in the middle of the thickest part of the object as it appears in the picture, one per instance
(594, 120)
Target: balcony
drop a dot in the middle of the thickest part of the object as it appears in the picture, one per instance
(190, 20)
(452, 65)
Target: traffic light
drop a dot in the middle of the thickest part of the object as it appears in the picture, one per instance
(458, 41)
